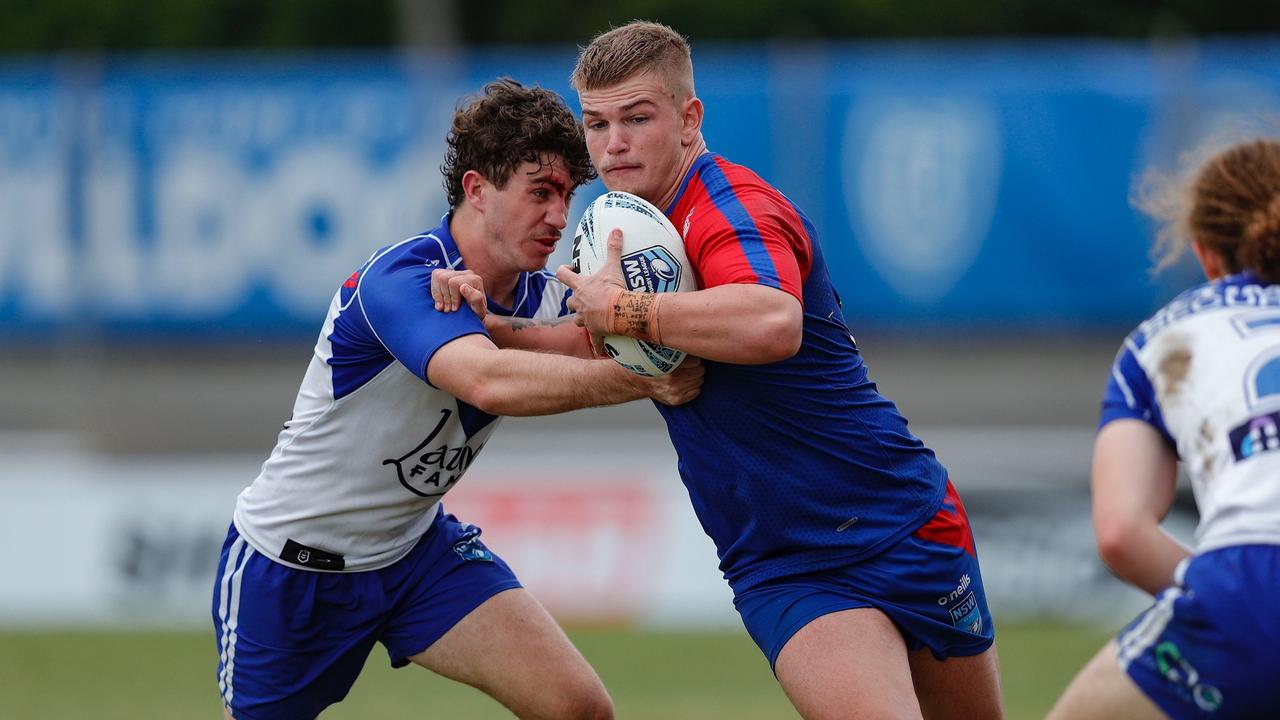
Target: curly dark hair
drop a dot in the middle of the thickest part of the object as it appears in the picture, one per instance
(508, 124)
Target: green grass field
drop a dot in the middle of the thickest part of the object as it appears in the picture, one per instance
(651, 675)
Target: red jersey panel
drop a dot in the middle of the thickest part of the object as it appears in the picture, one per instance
(739, 229)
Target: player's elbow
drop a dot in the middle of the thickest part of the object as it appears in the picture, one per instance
(777, 334)
(1119, 542)
(489, 394)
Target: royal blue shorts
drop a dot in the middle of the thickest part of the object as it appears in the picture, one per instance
(291, 642)
(928, 584)
(1210, 645)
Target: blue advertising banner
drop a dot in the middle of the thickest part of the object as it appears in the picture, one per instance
(967, 186)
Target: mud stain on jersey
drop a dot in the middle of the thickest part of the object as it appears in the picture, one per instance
(1174, 367)
(1205, 449)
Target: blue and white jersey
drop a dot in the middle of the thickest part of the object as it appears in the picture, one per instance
(358, 471)
(1204, 371)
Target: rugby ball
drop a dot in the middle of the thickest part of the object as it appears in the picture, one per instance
(653, 260)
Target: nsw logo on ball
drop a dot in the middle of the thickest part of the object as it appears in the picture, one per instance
(652, 269)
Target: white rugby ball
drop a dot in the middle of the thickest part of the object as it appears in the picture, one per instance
(653, 260)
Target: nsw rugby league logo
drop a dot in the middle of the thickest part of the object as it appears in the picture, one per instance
(652, 269)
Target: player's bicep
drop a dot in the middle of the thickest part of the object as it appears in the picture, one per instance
(1134, 475)
(756, 250)
(401, 312)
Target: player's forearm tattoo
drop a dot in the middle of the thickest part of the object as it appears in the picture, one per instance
(636, 314)
(518, 324)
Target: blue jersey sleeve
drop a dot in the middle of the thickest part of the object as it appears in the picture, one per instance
(397, 304)
(1130, 394)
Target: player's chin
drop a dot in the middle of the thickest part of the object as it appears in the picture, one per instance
(537, 257)
(626, 180)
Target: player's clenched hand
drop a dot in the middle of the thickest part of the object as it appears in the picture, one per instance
(682, 385)
(450, 288)
(595, 296)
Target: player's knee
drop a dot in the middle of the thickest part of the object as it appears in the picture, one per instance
(588, 702)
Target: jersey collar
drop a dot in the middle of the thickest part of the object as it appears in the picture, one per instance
(442, 235)
(703, 159)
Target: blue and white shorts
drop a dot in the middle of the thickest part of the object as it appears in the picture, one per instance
(291, 642)
(1210, 645)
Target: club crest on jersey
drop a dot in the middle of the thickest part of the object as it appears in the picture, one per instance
(471, 549)
(431, 468)
(652, 269)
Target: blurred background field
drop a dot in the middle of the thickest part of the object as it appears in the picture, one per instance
(652, 675)
(184, 183)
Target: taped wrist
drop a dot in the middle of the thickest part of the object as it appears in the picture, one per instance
(635, 314)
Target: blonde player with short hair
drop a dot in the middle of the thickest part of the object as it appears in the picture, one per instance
(847, 547)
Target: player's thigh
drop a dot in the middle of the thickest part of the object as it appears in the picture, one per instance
(1102, 691)
(848, 664)
(959, 687)
(510, 648)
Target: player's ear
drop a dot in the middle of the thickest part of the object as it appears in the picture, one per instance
(1210, 261)
(690, 120)
(473, 188)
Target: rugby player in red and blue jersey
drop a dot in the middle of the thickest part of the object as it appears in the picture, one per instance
(847, 548)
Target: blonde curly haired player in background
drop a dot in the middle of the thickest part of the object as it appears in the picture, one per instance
(1198, 382)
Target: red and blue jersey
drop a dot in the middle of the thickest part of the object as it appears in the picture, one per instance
(799, 465)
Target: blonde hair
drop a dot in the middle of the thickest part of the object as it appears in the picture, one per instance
(633, 49)
(1229, 203)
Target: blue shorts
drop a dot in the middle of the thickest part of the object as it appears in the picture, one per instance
(291, 642)
(928, 584)
(1210, 645)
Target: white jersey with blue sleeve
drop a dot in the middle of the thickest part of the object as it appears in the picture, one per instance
(358, 471)
(1204, 371)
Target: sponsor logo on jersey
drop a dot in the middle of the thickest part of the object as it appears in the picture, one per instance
(1258, 435)
(431, 468)
(652, 269)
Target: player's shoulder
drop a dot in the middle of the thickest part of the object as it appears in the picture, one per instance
(1201, 307)
(413, 254)
(720, 174)
(736, 193)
